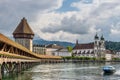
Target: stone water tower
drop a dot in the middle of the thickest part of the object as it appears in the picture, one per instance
(23, 34)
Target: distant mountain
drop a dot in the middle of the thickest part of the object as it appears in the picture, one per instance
(108, 44)
(45, 42)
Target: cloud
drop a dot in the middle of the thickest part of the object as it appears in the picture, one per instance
(44, 17)
(63, 26)
(11, 12)
(115, 29)
(30, 5)
(70, 25)
(93, 16)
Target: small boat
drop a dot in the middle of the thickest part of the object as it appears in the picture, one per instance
(108, 69)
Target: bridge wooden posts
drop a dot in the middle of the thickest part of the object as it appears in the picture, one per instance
(15, 58)
(0, 73)
(16, 66)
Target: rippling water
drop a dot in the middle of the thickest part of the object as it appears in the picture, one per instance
(66, 71)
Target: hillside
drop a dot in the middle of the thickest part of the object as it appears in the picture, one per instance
(108, 44)
(45, 42)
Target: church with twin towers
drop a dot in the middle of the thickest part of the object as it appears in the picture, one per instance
(93, 49)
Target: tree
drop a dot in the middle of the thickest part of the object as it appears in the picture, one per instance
(69, 48)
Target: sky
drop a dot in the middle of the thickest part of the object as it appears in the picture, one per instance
(63, 20)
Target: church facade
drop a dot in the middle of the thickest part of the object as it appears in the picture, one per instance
(94, 49)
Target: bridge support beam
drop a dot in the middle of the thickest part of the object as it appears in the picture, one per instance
(20, 65)
(0, 73)
(10, 67)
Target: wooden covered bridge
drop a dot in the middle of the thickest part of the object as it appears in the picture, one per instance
(15, 57)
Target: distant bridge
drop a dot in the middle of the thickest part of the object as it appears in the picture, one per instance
(15, 57)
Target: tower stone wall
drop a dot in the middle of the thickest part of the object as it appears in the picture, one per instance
(23, 34)
(99, 46)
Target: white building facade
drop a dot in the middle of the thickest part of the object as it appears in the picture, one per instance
(62, 52)
(50, 49)
(117, 54)
(39, 49)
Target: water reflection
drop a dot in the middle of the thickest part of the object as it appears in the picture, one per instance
(16, 76)
(66, 71)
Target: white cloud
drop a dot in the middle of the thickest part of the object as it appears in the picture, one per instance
(115, 29)
(11, 12)
(109, 1)
(92, 16)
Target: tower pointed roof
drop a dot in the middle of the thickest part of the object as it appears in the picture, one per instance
(23, 28)
(96, 36)
(77, 42)
(102, 38)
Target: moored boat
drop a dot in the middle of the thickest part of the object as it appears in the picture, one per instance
(108, 69)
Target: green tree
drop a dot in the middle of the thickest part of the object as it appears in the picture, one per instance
(69, 48)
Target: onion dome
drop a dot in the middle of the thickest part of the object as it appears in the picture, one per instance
(96, 36)
(102, 38)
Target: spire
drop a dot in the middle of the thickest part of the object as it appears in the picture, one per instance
(96, 36)
(102, 38)
(76, 41)
(23, 28)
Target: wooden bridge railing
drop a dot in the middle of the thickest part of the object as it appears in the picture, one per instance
(11, 49)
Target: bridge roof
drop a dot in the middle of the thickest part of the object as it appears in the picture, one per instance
(16, 45)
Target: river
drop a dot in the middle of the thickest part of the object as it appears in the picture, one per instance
(66, 71)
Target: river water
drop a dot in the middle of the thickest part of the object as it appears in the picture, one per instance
(66, 71)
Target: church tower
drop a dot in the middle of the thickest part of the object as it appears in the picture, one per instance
(77, 42)
(102, 46)
(96, 45)
(102, 43)
(23, 34)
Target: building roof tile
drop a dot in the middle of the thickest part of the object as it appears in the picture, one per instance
(84, 46)
(23, 28)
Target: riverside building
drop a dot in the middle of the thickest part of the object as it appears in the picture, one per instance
(40, 49)
(94, 49)
(51, 49)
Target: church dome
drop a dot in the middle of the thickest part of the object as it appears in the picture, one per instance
(102, 38)
(96, 36)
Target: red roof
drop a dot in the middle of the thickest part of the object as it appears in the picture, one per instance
(84, 46)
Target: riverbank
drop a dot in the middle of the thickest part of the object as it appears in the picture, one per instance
(88, 59)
